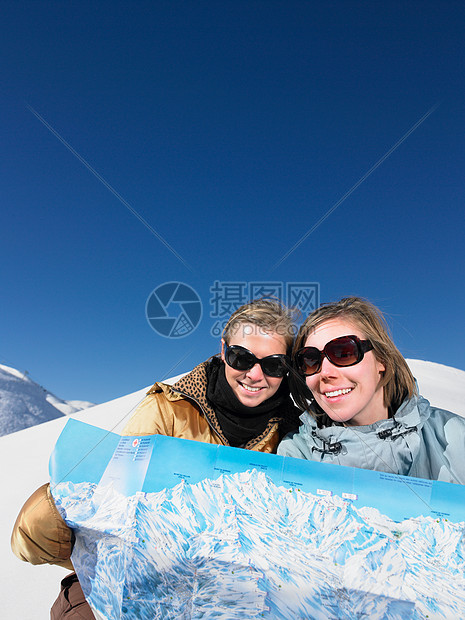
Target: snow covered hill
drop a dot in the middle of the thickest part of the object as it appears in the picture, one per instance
(29, 591)
(442, 385)
(24, 403)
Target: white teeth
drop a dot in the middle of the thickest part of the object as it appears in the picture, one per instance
(338, 392)
(249, 388)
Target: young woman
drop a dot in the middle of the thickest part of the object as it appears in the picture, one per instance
(361, 401)
(240, 398)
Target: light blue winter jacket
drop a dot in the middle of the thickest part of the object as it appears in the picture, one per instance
(420, 440)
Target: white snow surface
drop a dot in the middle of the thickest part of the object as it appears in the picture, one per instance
(443, 386)
(25, 403)
(29, 591)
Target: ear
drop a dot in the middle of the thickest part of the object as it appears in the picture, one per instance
(380, 367)
(222, 348)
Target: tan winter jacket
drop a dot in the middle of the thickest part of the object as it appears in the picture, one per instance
(40, 536)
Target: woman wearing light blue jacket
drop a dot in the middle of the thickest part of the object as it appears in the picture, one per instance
(360, 402)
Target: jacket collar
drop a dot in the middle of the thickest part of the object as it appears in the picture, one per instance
(194, 386)
(412, 413)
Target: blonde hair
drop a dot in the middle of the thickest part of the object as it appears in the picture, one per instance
(397, 381)
(268, 315)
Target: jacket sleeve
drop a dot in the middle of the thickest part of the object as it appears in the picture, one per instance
(40, 536)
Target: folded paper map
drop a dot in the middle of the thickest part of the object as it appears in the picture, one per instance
(169, 528)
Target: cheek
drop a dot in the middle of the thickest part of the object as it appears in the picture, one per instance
(230, 374)
(311, 382)
(372, 369)
(274, 382)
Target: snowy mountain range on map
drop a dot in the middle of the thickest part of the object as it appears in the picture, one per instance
(242, 547)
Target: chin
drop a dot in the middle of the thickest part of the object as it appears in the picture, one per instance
(251, 402)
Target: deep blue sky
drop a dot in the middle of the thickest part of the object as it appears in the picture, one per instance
(231, 128)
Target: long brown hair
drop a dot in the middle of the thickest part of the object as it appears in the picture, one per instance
(397, 381)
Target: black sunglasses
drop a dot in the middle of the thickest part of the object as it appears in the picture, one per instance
(241, 358)
(343, 351)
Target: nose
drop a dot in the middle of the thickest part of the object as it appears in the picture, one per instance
(328, 369)
(255, 373)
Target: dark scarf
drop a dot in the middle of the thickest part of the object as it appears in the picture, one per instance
(238, 422)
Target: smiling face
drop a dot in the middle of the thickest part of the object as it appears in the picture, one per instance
(252, 387)
(351, 395)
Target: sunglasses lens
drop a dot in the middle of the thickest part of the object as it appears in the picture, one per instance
(274, 366)
(308, 361)
(239, 359)
(343, 351)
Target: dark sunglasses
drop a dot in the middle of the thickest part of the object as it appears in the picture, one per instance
(241, 358)
(343, 351)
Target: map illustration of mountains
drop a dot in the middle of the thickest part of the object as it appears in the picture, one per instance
(170, 528)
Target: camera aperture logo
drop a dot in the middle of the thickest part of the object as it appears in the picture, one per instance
(173, 310)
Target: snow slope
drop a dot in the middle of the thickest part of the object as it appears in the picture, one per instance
(442, 385)
(24, 403)
(29, 591)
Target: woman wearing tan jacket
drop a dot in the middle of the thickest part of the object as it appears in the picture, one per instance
(240, 398)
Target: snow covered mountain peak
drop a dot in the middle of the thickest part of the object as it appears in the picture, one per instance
(25, 403)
